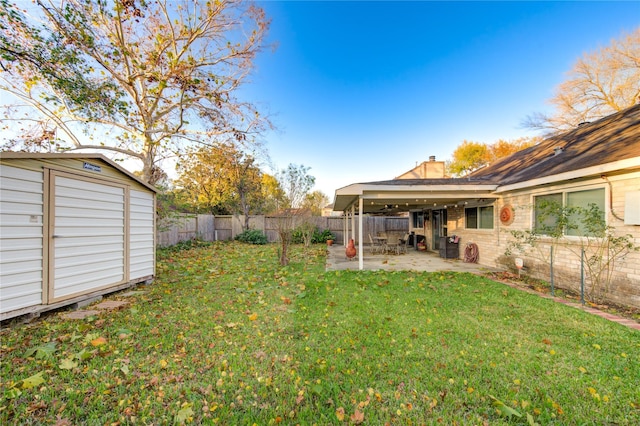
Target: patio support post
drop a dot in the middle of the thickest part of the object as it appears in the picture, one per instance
(345, 228)
(360, 238)
(353, 221)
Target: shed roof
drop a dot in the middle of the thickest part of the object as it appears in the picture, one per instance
(88, 156)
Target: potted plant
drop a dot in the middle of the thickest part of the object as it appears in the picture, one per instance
(326, 236)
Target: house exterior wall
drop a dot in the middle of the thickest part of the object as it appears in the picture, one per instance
(625, 286)
(493, 243)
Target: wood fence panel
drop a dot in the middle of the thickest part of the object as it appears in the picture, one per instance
(226, 227)
(205, 227)
(222, 226)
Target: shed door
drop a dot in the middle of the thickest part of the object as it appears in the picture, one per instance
(87, 236)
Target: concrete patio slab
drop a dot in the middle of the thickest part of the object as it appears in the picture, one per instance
(411, 261)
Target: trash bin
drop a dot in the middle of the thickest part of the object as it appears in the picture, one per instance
(449, 247)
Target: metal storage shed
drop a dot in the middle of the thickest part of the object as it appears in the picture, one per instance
(72, 226)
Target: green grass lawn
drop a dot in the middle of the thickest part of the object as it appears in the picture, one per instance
(227, 336)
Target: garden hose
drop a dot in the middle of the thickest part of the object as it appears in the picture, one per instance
(471, 253)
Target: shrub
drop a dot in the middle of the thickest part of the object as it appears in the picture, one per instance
(298, 235)
(184, 245)
(252, 236)
(322, 237)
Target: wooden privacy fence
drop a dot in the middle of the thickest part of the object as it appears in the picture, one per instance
(225, 227)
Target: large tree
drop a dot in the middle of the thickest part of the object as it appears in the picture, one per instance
(600, 83)
(272, 195)
(470, 156)
(315, 201)
(139, 78)
(219, 180)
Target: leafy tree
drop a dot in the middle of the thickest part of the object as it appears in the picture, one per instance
(467, 157)
(600, 83)
(219, 180)
(470, 156)
(502, 148)
(315, 202)
(138, 78)
(272, 195)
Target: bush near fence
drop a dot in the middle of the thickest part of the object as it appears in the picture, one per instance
(205, 227)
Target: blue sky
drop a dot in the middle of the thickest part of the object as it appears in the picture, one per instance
(364, 90)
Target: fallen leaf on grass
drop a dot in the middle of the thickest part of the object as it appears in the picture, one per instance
(43, 351)
(340, 414)
(99, 341)
(357, 417)
(33, 381)
(67, 364)
(185, 414)
(504, 409)
(253, 317)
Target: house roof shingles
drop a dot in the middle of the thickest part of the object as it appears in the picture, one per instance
(612, 138)
(605, 141)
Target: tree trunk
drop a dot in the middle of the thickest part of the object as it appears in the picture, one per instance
(245, 210)
(284, 261)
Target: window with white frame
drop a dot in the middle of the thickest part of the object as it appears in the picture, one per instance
(549, 210)
(479, 217)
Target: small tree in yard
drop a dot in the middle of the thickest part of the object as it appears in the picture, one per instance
(602, 247)
(296, 183)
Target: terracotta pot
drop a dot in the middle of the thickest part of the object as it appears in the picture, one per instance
(329, 242)
(351, 249)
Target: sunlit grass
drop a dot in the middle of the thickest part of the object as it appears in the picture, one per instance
(227, 336)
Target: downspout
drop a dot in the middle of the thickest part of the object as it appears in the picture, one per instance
(611, 198)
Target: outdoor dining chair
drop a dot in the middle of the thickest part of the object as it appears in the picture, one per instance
(404, 242)
(375, 247)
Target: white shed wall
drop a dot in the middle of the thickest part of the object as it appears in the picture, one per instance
(141, 234)
(89, 236)
(21, 232)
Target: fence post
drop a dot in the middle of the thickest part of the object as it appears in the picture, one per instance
(551, 268)
(582, 276)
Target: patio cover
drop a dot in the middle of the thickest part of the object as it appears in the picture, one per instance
(403, 195)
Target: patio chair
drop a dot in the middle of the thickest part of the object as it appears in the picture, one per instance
(374, 247)
(404, 242)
